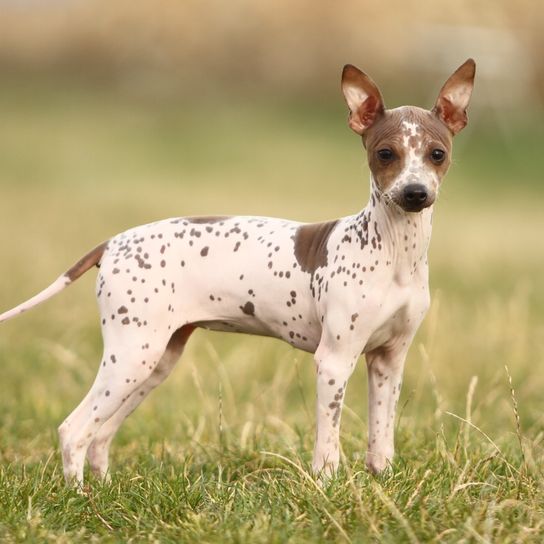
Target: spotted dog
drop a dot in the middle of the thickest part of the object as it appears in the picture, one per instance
(337, 289)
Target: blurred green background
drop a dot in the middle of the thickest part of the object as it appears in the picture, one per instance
(119, 113)
(114, 114)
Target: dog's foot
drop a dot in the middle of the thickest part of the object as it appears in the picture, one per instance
(377, 463)
(323, 472)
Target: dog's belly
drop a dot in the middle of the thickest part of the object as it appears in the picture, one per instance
(308, 340)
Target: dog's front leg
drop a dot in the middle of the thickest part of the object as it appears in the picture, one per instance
(385, 368)
(334, 367)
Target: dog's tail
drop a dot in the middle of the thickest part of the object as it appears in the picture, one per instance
(85, 263)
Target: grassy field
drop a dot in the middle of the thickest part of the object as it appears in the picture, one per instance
(221, 452)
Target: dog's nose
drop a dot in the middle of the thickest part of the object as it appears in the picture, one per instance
(415, 195)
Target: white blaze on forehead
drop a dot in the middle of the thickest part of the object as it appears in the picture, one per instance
(410, 129)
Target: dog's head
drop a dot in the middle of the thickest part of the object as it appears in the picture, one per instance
(409, 148)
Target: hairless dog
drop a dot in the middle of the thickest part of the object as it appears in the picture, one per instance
(337, 289)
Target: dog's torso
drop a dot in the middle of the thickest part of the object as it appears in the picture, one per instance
(264, 276)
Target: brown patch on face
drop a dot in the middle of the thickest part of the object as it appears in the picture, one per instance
(389, 133)
(311, 245)
(442, 167)
(385, 174)
(436, 136)
(88, 261)
(208, 218)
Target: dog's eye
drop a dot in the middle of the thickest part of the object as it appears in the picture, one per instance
(438, 156)
(385, 155)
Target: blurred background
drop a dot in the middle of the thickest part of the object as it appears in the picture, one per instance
(114, 114)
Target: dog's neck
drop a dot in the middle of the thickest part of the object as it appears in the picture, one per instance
(399, 238)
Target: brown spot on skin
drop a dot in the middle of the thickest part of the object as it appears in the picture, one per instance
(204, 251)
(248, 308)
(88, 261)
(336, 415)
(311, 245)
(122, 310)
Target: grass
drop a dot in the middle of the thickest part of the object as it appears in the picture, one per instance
(221, 452)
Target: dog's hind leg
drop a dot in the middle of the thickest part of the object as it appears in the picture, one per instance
(124, 369)
(98, 452)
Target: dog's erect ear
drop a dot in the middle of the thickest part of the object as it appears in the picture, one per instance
(451, 105)
(363, 98)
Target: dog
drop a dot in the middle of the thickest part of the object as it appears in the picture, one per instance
(337, 289)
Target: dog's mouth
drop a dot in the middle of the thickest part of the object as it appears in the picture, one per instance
(413, 207)
(407, 207)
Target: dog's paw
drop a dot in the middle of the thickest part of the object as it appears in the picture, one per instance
(377, 463)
